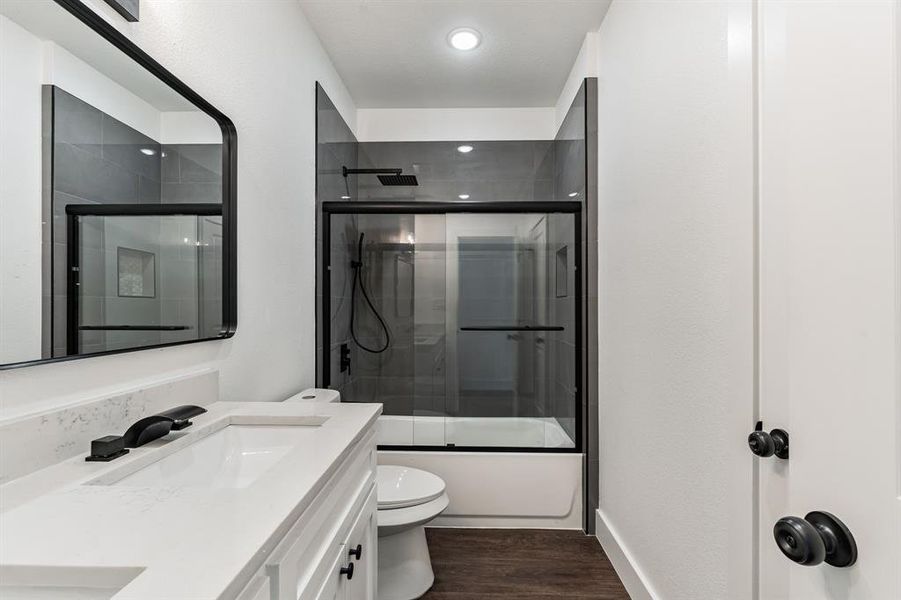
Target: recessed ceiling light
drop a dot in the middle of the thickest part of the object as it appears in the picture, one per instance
(345, 197)
(463, 196)
(148, 151)
(573, 194)
(464, 38)
(465, 149)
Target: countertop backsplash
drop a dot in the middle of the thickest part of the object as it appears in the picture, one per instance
(36, 441)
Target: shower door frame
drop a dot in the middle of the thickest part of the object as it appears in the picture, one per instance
(574, 208)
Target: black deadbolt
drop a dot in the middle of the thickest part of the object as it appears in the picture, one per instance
(765, 444)
(356, 552)
(818, 537)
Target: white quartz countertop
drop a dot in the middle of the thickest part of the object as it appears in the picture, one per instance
(191, 542)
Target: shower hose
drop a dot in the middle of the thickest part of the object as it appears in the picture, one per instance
(357, 266)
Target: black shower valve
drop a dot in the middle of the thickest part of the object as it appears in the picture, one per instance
(345, 357)
(763, 444)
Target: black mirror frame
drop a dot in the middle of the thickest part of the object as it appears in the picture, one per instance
(229, 181)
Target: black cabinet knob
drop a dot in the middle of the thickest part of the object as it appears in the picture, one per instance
(765, 444)
(348, 570)
(818, 537)
(356, 552)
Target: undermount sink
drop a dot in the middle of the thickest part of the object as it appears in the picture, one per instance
(232, 457)
(63, 583)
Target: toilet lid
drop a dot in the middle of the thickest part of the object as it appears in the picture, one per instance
(400, 487)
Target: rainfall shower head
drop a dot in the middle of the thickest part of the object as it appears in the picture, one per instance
(398, 179)
(387, 177)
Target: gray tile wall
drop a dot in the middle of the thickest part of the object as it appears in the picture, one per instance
(96, 160)
(336, 146)
(191, 173)
(493, 171)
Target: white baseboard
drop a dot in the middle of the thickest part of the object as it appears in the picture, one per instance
(633, 579)
(503, 523)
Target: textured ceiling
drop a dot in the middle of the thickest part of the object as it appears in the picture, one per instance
(394, 53)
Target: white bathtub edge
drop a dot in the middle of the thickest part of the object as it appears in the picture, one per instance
(503, 489)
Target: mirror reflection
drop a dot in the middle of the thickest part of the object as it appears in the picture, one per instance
(111, 225)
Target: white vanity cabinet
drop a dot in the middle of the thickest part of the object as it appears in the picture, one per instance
(363, 543)
(330, 552)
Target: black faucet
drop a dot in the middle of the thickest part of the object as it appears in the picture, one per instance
(142, 431)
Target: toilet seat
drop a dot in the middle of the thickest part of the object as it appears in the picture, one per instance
(404, 487)
(400, 519)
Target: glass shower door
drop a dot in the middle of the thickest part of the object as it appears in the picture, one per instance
(462, 325)
(501, 322)
(387, 320)
(142, 280)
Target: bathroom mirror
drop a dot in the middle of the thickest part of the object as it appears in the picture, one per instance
(117, 194)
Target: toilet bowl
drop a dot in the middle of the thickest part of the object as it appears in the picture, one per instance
(407, 499)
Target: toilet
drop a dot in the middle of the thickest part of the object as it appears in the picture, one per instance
(408, 499)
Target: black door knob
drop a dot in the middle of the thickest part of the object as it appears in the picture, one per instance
(356, 552)
(818, 537)
(348, 570)
(765, 444)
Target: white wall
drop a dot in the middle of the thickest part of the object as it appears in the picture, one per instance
(266, 85)
(188, 127)
(453, 124)
(676, 288)
(585, 65)
(63, 69)
(20, 193)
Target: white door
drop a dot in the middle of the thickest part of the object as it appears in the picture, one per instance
(829, 290)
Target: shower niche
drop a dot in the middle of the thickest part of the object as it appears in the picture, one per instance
(464, 325)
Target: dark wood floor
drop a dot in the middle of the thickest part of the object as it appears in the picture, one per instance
(508, 564)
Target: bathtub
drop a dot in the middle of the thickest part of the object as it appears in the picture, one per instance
(530, 487)
(509, 432)
(520, 488)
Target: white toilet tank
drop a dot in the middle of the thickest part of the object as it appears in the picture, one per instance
(316, 395)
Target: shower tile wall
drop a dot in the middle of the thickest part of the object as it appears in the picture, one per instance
(96, 160)
(336, 146)
(509, 170)
(191, 173)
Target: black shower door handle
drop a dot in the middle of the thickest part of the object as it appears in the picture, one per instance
(512, 328)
